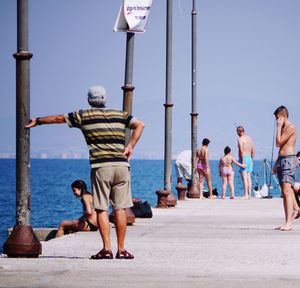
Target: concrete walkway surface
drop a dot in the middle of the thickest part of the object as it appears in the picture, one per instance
(199, 243)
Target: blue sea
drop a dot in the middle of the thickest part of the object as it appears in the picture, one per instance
(52, 200)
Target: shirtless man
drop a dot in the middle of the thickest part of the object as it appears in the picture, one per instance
(246, 156)
(202, 168)
(286, 163)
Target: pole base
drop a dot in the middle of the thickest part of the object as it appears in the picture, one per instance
(181, 190)
(162, 198)
(22, 243)
(171, 200)
(193, 190)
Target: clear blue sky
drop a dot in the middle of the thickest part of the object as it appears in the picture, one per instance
(248, 64)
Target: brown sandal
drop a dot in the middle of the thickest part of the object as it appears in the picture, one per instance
(124, 255)
(103, 254)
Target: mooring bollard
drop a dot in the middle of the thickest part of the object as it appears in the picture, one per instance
(162, 198)
(193, 190)
(181, 190)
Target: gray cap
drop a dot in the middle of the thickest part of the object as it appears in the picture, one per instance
(97, 96)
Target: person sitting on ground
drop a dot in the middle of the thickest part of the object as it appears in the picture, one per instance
(226, 172)
(88, 221)
(183, 166)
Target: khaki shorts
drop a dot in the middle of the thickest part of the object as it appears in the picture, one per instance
(111, 184)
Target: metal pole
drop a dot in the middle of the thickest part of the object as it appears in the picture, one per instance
(166, 197)
(194, 191)
(168, 104)
(168, 107)
(22, 114)
(22, 242)
(128, 87)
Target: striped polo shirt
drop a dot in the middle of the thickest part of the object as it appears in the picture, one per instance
(104, 133)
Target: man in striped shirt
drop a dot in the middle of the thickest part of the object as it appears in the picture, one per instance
(109, 154)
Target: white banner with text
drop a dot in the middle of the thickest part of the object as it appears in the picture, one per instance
(133, 16)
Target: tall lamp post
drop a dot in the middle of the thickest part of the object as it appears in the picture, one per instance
(132, 17)
(130, 20)
(167, 192)
(22, 241)
(194, 191)
(128, 95)
(128, 87)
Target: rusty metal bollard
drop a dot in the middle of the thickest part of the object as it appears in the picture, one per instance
(181, 190)
(162, 198)
(193, 190)
(22, 242)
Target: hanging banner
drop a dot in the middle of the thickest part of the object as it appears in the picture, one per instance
(133, 16)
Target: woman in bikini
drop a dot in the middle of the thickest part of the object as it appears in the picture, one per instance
(202, 168)
(227, 173)
(88, 221)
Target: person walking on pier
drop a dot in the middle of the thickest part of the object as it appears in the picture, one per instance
(104, 132)
(286, 164)
(202, 168)
(246, 156)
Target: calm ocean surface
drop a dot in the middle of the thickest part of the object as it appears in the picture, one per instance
(52, 200)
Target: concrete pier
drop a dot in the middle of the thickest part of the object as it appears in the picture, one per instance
(199, 243)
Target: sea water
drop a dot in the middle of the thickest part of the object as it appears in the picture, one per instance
(52, 199)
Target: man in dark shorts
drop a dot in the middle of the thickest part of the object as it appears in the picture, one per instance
(286, 163)
(104, 132)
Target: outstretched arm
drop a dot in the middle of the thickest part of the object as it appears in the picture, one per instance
(239, 164)
(137, 129)
(55, 119)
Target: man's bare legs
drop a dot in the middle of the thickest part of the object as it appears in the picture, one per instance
(288, 204)
(249, 181)
(121, 225)
(104, 228)
(231, 185)
(245, 184)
